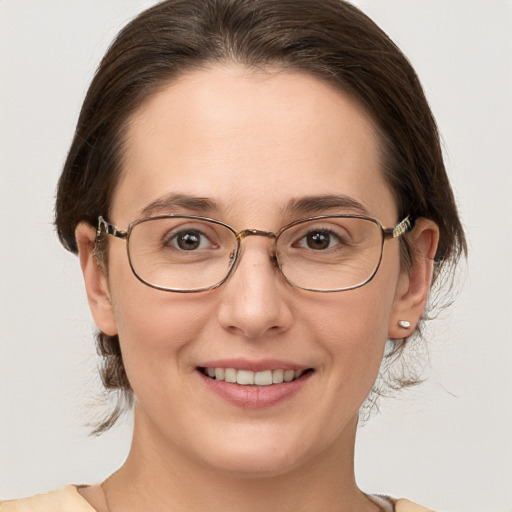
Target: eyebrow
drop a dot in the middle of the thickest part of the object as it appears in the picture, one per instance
(170, 203)
(324, 203)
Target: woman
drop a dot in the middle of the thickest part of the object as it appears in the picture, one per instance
(258, 199)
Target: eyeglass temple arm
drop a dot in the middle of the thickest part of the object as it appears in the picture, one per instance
(109, 229)
(402, 227)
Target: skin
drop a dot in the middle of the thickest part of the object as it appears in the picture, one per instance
(252, 141)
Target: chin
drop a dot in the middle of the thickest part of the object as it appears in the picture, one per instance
(264, 454)
(250, 465)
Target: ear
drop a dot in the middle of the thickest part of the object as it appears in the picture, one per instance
(96, 283)
(414, 284)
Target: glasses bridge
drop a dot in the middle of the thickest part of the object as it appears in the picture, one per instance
(255, 232)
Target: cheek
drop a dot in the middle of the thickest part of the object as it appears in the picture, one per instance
(355, 319)
(354, 334)
(352, 328)
(154, 327)
(155, 322)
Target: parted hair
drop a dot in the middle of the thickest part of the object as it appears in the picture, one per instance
(329, 39)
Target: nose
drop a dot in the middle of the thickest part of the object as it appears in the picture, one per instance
(256, 298)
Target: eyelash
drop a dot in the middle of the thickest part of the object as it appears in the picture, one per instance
(172, 239)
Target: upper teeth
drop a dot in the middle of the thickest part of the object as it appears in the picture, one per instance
(249, 378)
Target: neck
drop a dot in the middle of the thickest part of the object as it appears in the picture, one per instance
(160, 477)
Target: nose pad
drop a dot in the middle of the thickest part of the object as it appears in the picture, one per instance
(254, 302)
(236, 254)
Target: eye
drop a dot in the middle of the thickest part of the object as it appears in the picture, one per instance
(188, 240)
(319, 240)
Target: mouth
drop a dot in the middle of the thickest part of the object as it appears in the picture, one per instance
(250, 378)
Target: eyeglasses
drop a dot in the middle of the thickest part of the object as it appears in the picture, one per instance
(191, 253)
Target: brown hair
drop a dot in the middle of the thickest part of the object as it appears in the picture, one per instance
(330, 39)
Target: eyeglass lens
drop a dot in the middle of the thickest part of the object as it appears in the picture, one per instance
(189, 254)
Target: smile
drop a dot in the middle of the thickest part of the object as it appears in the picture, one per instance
(250, 378)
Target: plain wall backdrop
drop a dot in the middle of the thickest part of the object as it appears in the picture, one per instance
(447, 444)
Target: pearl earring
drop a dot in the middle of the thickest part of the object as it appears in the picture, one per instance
(404, 323)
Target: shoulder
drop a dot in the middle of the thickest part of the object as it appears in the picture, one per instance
(388, 504)
(62, 500)
(408, 506)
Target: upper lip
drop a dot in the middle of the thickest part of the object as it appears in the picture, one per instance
(254, 366)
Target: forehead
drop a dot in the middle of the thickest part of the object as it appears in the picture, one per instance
(251, 140)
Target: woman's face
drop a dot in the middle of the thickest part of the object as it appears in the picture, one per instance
(253, 143)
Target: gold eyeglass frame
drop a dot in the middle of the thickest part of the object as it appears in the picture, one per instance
(104, 227)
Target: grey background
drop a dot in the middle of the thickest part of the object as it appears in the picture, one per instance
(447, 444)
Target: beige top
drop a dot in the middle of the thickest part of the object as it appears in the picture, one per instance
(68, 499)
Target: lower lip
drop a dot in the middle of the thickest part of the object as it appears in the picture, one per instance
(255, 397)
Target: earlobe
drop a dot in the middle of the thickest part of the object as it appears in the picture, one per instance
(414, 285)
(95, 280)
